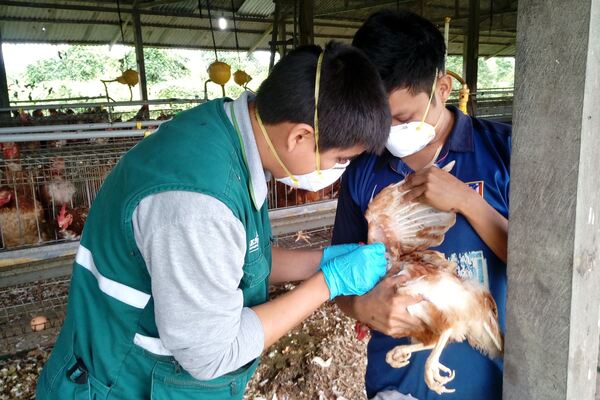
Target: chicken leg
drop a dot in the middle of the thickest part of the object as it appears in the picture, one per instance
(399, 356)
(433, 367)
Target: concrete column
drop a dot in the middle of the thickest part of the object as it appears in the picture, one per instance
(554, 238)
(139, 54)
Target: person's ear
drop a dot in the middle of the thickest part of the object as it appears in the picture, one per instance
(300, 135)
(444, 87)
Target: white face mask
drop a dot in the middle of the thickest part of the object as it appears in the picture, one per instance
(316, 180)
(407, 139)
(412, 137)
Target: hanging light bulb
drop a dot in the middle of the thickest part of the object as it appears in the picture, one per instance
(222, 23)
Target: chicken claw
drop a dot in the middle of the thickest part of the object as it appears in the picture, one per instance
(399, 356)
(434, 378)
(433, 368)
(301, 235)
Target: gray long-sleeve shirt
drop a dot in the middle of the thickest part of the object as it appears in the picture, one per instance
(194, 249)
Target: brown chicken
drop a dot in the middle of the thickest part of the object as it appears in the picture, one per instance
(21, 218)
(287, 196)
(71, 221)
(453, 309)
(11, 154)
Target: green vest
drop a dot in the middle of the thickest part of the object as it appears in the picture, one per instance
(109, 347)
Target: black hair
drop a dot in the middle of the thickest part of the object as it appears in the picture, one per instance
(405, 47)
(353, 107)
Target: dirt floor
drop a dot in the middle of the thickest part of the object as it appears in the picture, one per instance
(321, 359)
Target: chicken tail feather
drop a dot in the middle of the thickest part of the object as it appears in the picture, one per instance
(495, 337)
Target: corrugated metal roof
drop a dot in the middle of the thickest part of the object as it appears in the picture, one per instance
(179, 24)
(263, 8)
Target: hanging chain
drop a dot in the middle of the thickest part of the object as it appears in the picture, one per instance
(237, 43)
(120, 22)
(212, 31)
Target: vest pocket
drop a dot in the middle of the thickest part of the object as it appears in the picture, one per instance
(255, 271)
(69, 379)
(172, 382)
(98, 390)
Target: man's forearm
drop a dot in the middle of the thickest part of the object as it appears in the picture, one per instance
(282, 314)
(489, 224)
(294, 265)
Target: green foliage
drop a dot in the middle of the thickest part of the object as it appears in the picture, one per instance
(496, 72)
(77, 63)
(160, 65)
(177, 92)
(170, 73)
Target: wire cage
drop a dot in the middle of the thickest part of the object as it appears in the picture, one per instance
(63, 113)
(44, 184)
(46, 300)
(47, 187)
(20, 304)
(281, 195)
(55, 157)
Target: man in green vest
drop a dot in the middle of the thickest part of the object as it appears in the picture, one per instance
(169, 292)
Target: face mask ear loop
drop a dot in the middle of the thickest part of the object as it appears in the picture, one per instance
(430, 99)
(316, 120)
(272, 148)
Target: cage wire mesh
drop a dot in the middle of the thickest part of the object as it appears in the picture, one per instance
(48, 299)
(40, 179)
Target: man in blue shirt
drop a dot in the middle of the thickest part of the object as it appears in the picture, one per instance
(409, 53)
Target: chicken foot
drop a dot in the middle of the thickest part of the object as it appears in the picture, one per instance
(433, 368)
(399, 356)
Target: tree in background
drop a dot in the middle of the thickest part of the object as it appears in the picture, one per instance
(77, 63)
(194, 86)
(77, 71)
(161, 65)
(171, 73)
(496, 72)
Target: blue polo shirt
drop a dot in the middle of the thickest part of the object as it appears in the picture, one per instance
(481, 150)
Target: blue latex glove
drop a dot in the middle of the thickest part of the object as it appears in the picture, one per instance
(356, 272)
(336, 251)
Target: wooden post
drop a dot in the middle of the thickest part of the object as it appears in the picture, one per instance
(307, 13)
(554, 239)
(282, 36)
(139, 54)
(4, 98)
(273, 44)
(472, 53)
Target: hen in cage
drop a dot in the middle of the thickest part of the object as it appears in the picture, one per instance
(71, 221)
(454, 308)
(48, 189)
(21, 217)
(286, 196)
(57, 190)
